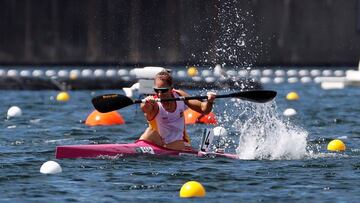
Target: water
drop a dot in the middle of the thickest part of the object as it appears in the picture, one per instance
(287, 170)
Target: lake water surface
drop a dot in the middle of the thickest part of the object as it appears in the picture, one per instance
(282, 159)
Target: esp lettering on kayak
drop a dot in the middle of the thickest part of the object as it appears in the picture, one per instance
(144, 150)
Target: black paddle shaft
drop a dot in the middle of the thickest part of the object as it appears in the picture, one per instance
(112, 102)
(260, 96)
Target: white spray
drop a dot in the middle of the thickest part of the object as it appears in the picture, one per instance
(263, 134)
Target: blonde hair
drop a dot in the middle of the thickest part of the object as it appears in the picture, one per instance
(165, 76)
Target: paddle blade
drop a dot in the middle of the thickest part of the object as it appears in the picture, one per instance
(260, 96)
(111, 102)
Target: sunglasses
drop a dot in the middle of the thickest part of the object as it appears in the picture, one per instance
(161, 89)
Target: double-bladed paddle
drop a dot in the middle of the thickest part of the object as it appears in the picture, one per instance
(112, 102)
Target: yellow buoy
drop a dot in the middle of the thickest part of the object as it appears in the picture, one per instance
(292, 96)
(63, 97)
(192, 189)
(192, 71)
(336, 145)
(73, 76)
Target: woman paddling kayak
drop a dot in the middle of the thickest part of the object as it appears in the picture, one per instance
(166, 119)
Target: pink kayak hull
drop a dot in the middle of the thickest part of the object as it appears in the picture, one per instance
(139, 147)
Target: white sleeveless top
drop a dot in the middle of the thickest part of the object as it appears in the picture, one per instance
(170, 125)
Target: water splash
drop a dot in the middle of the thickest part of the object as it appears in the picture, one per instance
(234, 42)
(236, 37)
(263, 134)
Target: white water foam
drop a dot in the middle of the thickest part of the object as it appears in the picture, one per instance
(263, 134)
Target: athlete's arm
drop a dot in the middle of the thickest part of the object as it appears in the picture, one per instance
(204, 107)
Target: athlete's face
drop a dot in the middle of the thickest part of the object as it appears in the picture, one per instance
(161, 88)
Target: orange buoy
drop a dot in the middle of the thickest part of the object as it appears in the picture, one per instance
(192, 117)
(208, 119)
(110, 118)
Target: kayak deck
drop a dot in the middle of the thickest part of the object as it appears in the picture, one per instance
(140, 147)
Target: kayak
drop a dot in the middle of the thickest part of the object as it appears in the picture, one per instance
(140, 147)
